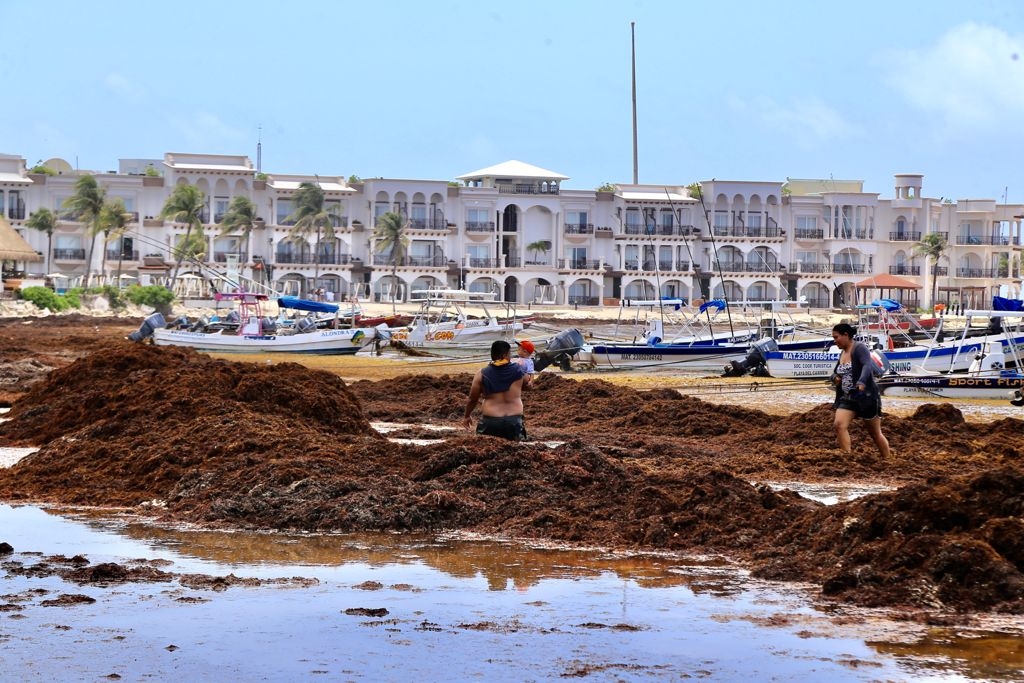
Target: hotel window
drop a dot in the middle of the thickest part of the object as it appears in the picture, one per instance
(633, 221)
(284, 209)
(667, 220)
(334, 210)
(418, 218)
(632, 258)
(721, 220)
(576, 218)
(220, 207)
(806, 223)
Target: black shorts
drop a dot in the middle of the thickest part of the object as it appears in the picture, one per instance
(863, 405)
(509, 427)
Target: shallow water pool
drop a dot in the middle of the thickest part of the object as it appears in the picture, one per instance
(396, 607)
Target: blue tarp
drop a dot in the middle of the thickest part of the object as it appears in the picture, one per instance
(718, 304)
(306, 305)
(1001, 303)
(887, 304)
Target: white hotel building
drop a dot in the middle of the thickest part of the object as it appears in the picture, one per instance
(520, 231)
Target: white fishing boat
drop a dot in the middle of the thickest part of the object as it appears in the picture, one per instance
(255, 333)
(908, 350)
(455, 322)
(711, 338)
(990, 375)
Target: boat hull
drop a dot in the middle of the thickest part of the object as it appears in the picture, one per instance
(954, 356)
(696, 356)
(452, 341)
(318, 342)
(952, 386)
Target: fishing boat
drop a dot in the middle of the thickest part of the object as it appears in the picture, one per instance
(255, 333)
(709, 339)
(454, 322)
(990, 375)
(906, 351)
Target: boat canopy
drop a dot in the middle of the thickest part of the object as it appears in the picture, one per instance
(306, 305)
(1000, 303)
(717, 304)
(887, 304)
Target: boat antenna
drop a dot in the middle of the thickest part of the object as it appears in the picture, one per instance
(636, 166)
(714, 249)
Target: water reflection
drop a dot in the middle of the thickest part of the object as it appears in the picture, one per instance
(487, 609)
(505, 565)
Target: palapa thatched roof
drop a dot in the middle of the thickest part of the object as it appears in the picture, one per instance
(13, 246)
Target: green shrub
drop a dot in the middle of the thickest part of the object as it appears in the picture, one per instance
(73, 297)
(111, 293)
(44, 297)
(152, 295)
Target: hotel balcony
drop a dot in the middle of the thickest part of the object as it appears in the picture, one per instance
(412, 261)
(849, 268)
(809, 234)
(579, 228)
(745, 232)
(308, 260)
(662, 230)
(905, 270)
(527, 188)
(69, 254)
(981, 272)
(479, 226)
(989, 240)
(744, 267)
(126, 255)
(580, 264)
(904, 236)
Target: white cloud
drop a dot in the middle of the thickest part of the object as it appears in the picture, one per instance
(121, 85)
(807, 120)
(973, 75)
(207, 131)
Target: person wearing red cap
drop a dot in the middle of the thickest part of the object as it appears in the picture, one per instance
(524, 355)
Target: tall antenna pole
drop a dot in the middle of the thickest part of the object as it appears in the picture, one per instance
(636, 165)
(259, 149)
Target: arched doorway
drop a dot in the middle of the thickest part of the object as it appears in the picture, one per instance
(511, 290)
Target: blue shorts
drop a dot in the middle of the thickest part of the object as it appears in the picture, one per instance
(508, 427)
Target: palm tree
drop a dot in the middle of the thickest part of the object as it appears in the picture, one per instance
(310, 216)
(240, 219)
(185, 205)
(540, 246)
(933, 247)
(391, 237)
(86, 205)
(46, 221)
(114, 219)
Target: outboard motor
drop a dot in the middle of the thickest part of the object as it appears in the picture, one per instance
(200, 325)
(755, 362)
(560, 350)
(145, 330)
(307, 324)
(267, 326)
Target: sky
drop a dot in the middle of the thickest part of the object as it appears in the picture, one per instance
(725, 90)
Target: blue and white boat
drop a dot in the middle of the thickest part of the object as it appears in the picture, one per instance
(705, 341)
(922, 357)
